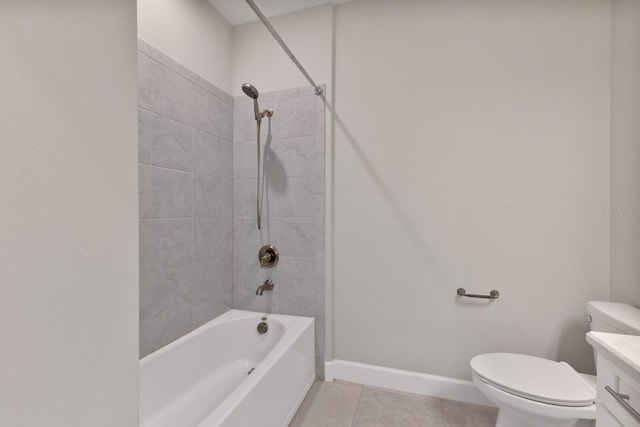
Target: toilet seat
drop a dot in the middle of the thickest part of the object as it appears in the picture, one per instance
(534, 378)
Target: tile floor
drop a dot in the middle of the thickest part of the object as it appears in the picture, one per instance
(341, 404)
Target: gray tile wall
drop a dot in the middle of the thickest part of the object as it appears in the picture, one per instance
(186, 190)
(293, 210)
(198, 234)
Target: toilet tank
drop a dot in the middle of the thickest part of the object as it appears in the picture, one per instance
(614, 317)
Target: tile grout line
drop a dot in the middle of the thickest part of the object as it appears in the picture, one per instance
(193, 206)
(441, 406)
(276, 138)
(183, 218)
(191, 127)
(271, 179)
(232, 278)
(355, 413)
(168, 67)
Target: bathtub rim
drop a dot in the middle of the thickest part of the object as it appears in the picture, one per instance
(228, 316)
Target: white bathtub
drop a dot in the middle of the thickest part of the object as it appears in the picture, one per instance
(202, 379)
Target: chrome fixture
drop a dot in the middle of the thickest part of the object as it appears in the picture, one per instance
(493, 294)
(274, 33)
(266, 286)
(263, 328)
(251, 91)
(268, 256)
(623, 400)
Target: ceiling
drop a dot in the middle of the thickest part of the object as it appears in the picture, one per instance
(238, 12)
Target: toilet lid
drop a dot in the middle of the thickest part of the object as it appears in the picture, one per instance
(534, 378)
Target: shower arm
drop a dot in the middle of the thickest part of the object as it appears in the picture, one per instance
(274, 33)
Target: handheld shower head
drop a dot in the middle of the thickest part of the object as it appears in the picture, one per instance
(252, 93)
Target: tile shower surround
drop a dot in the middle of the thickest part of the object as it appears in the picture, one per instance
(185, 189)
(198, 235)
(293, 207)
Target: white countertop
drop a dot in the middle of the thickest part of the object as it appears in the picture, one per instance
(622, 350)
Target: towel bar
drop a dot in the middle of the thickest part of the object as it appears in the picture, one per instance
(493, 294)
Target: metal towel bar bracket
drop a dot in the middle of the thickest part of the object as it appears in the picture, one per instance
(493, 294)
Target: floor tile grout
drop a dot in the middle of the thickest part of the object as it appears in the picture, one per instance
(451, 413)
(355, 413)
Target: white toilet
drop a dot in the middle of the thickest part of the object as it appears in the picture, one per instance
(535, 392)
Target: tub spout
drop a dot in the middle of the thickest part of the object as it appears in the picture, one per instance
(266, 286)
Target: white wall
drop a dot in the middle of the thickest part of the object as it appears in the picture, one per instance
(259, 59)
(68, 214)
(471, 150)
(193, 33)
(625, 152)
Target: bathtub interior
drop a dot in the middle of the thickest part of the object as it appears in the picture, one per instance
(186, 380)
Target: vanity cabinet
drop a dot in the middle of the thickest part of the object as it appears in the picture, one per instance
(605, 418)
(618, 401)
(618, 379)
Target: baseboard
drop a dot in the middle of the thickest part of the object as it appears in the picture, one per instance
(407, 381)
(328, 372)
